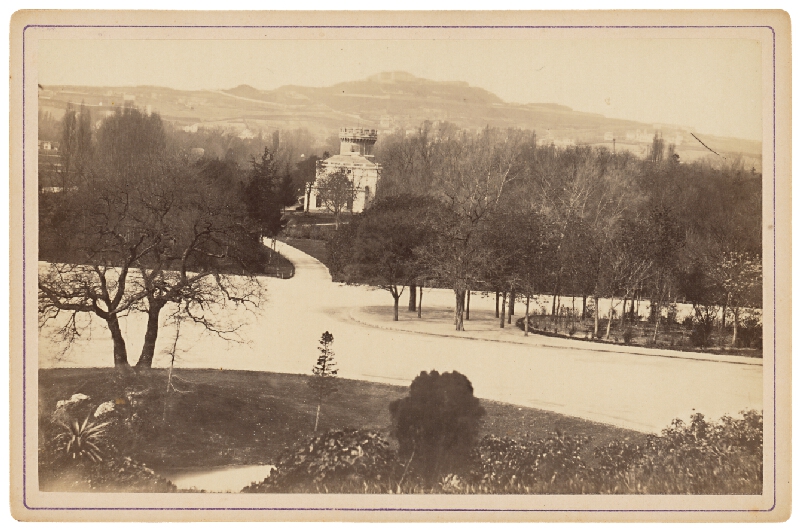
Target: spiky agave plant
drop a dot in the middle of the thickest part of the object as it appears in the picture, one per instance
(81, 440)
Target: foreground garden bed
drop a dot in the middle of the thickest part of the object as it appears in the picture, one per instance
(221, 418)
(215, 418)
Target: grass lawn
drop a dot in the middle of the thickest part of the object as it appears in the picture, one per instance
(239, 417)
(316, 248)
(276, 265)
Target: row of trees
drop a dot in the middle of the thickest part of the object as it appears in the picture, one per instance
(136, 226)
(494, 212)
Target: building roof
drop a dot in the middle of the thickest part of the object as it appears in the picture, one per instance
(354, 159)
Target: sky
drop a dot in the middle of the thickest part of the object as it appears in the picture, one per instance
(712, 85)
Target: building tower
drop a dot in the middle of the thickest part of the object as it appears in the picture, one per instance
(357, 140)
(355, 156)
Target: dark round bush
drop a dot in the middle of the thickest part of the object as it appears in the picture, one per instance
(437, 424)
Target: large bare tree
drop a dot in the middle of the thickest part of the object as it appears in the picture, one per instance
(470, 175)
(147, 230)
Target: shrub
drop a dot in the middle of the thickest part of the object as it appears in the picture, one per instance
(702, 457)
(79, 453)
(616, 457)
(751, 333)
(699, 337)
(627, 335)
(82, 440)
(348, 461)
(437, 424)
(695, 458)
(113, 475)
(549, 465)
(672, 314)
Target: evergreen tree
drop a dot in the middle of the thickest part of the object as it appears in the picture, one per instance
(323, 384)
(262, 195)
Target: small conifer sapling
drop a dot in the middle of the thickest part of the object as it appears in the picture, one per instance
(323, 383)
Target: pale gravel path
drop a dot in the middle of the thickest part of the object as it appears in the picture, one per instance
(642, 392)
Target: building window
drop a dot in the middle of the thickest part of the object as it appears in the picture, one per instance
(366, 196)
(319, 201)
(350, 201)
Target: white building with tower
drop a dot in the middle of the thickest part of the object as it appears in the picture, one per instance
(355, 156)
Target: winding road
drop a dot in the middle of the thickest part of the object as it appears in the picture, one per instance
(641, 392)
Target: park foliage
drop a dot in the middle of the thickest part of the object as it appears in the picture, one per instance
(700, 457)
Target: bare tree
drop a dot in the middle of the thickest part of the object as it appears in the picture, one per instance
(469, 178)
(739, 278)
(109, 247)
(337, 192)
(148, 231)
(202, 240)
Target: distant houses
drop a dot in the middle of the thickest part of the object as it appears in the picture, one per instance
(49, 167)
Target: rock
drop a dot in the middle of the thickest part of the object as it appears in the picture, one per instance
(78, 407)
(76, 398)
(137, 398)
(104, 408)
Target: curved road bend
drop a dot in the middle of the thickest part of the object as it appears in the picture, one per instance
(638, 392)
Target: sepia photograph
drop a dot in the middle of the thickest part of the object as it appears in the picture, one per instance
(372, 266)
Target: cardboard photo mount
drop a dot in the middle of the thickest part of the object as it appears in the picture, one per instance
(770, 28)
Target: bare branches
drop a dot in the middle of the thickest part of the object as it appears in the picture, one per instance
(150, 231)
(337, 191)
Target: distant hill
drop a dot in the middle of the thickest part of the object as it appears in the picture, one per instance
(387, 101)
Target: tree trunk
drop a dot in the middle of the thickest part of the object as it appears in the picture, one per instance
(503, 312)
(631, 316)
(316, 421)
(657, 315)
(497, 304)
(596, 316)
(583, 311)
(511, 303)
(120, 352)
(724, 313)
(527, 312)
(396, 306)
(610, 317)
(459, 316)
(150, 336)
(466, 316)
(735, 312)
(419, 303)
(624, 312)
(412, 297)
